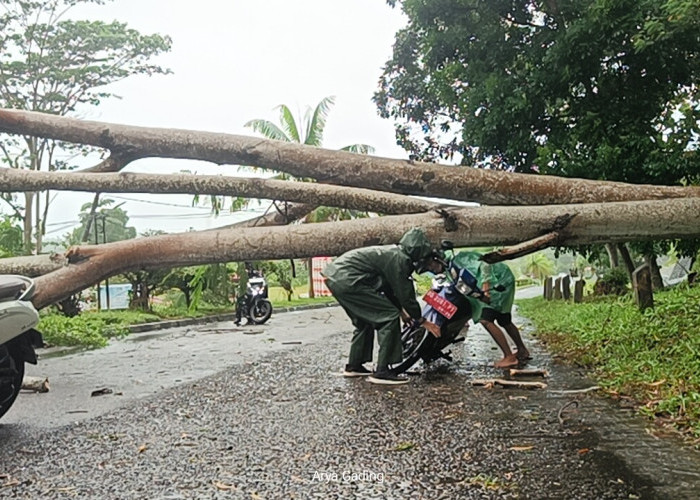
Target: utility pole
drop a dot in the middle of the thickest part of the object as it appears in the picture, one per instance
(94, 223)
(104, 240)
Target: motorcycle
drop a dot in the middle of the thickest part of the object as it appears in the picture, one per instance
(447, 304)
(18, 339)
(255, 306)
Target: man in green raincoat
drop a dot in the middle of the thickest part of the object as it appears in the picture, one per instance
(499, 307)
(373, 285)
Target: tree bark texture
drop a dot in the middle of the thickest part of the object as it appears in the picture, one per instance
(306, 192)
(128, 143)
(627, 259)
(472, 226)
(657, 281)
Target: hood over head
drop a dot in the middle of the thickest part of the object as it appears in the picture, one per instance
(415, 244)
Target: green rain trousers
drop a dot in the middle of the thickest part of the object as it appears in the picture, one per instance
(368, 311)
(373, 284)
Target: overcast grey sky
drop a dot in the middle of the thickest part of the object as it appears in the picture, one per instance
(235, 60)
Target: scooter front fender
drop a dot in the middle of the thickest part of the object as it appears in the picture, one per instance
(16, 317)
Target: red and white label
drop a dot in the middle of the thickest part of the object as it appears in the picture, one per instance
(440, 304)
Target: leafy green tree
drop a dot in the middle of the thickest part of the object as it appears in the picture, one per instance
(596, 89)
(106, 224)
(54, 64)
(11, 242)
(308, 130)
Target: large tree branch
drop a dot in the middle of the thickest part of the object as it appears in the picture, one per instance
(587, 223)
(318, 194)
(336, 167)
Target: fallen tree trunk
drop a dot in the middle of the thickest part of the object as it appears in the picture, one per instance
(474, 226)
(306, 192)
(128, 143)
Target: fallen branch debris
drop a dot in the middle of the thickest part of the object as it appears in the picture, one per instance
(35, 384)
(518, 384)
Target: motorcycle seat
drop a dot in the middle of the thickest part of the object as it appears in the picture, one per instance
(11, 287)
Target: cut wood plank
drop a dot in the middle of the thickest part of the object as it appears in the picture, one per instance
(528, 372)
(519, 384)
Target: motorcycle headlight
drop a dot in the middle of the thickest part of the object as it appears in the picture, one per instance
(462, 288)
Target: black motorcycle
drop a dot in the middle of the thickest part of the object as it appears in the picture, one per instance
(255, 306)
(447, 305)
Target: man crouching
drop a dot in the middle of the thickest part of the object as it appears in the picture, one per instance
(373, 285)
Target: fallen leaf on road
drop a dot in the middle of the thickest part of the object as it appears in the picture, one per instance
(223, 486)
(100, 392)
(404, 446)
(521, 448)
(143, 448)
(583, 451)
(10, 482)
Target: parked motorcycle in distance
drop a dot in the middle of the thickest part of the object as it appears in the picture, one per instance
(18, 339)
(447, 304)
(256, 307)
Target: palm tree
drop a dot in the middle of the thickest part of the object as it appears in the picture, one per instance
(538, 265)
(308, 131)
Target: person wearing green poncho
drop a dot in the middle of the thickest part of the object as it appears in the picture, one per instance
(373, 285)
(499, 307)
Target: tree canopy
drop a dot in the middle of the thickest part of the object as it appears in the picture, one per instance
(52, 63)
(593, 89)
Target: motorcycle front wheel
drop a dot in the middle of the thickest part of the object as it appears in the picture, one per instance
(416, 342)
(260, 311)
(11, 375)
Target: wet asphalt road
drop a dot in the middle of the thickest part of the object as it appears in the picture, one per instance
(217, 411)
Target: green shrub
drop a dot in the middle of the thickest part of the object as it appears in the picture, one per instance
(90, 329)
(613, 282)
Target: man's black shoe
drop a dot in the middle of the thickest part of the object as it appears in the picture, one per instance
(386, 377)
(356, 371)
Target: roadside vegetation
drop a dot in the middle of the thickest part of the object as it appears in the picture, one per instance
(650, 357)
(94, 329)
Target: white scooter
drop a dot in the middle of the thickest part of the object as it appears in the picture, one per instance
(18, 317)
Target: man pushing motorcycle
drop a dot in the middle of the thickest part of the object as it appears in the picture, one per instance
(374, 287)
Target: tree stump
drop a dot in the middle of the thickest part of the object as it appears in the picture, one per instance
(566, 287)
(548, 288)
(578, 290)
(557, 289)
(641, 282)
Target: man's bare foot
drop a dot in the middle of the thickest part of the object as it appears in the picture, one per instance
(507, 362)
(523, 355)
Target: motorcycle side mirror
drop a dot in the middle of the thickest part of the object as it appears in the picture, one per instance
(447, 245)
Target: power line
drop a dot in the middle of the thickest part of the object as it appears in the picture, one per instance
(159, 203)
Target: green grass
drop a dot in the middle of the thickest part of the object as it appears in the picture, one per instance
(93, 329)
(652, 356)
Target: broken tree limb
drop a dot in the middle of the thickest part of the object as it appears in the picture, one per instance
(517, 384)
(334, 167)
(524, 248)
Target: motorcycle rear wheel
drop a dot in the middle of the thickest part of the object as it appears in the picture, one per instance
(11, 375)
(416, 342)
(260, 311)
